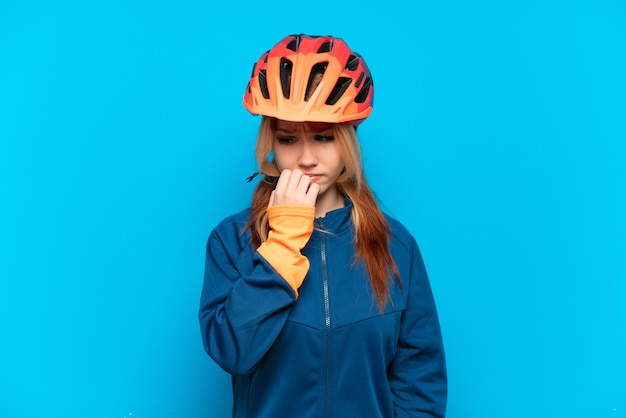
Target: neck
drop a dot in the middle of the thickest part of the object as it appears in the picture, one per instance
(330, 200)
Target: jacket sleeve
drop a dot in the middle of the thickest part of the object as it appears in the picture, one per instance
(417, 373)
(244, 302)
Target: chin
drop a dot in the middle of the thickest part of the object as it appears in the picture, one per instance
(325, 188)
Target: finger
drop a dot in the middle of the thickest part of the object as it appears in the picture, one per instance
(303, 185)
(312, 193)
(294, 181)
(271, 202)
(283, 180)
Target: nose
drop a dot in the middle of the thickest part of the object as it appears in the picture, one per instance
(308, 154)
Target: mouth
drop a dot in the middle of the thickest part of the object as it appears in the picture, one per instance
(314, 176)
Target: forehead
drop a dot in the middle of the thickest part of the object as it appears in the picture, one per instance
(287, 126)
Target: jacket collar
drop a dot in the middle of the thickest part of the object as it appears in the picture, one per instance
(336, 220)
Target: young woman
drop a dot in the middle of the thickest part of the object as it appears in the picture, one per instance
(314, 301)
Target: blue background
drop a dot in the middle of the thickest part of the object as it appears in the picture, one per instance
(498, 138)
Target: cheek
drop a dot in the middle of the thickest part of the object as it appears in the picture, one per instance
(341, 162)
(338, 161)
(283, 158)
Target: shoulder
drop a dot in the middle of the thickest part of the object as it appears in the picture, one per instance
(399, 232)
(405, 251)
(238, 219)
(232, 229)
(402, 241)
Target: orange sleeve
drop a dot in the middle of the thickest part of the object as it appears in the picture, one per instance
(291, 227)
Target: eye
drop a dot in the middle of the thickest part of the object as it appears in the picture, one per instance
(324, 138)
(286, 140)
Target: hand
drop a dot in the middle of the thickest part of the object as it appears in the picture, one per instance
(294, 188)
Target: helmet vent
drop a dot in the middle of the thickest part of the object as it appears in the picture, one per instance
(263, 84)
(315, 77)
(353, 63)
(253, 68)
(340, 87)
(326, 47)
(360, 98)
(358, 80)
(285, 76)
(294, 44)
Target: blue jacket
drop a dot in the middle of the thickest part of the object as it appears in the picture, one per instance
(328, 353)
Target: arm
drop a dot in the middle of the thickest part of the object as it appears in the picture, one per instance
(417, 373)
(247, 295)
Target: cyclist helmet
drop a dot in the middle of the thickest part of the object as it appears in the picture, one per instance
(311, 79)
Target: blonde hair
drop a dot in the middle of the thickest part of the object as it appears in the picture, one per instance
(372, 232)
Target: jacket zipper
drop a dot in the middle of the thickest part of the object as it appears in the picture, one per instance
(327, 323)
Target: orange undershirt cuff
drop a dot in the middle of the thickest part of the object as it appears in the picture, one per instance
(291, 227)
